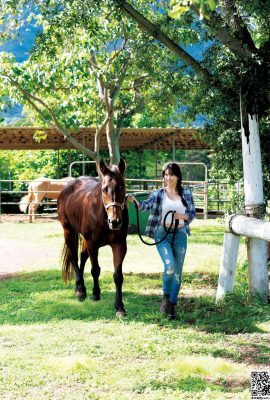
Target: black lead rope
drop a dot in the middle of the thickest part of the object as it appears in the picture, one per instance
(167, 230)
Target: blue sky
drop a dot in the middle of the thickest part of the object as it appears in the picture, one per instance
(20, 46)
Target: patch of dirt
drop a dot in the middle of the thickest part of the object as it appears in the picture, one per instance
(25, 255)
(23, 218)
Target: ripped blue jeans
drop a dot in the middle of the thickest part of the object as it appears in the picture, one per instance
(173, 260)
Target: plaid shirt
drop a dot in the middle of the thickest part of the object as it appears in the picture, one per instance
(154, 204)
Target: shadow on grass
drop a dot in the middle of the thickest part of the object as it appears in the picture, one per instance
(193, 384)
(40, 297)
(189, 384)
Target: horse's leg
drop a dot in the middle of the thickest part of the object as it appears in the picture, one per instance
(31, 210)
(37, 202)
(80, 288)
(71, 241)
(34, 206)
(95, 270)
(119, 252)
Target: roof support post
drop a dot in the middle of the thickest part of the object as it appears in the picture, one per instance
(58, 164)
(83, 158)
(173, 147)
(140, 165)
(155, 160)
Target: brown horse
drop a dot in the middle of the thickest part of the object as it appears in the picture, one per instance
(96, 210)
(41, 188)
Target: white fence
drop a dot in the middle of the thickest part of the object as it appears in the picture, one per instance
(257, 233)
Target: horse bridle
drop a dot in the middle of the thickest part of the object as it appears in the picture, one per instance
(114, 203)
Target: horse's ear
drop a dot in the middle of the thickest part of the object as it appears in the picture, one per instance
(103, 167)
(122, 166)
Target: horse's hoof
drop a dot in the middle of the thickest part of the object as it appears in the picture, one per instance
(121, 313)
(81, 296)
(96, 297)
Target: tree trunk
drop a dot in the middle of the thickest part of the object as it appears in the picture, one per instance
(255, 229)
(253, 188)
(113, 141)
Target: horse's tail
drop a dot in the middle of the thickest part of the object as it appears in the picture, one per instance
(67, 260)
(25, 200)
(23, 204)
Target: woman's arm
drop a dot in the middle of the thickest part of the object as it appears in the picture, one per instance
(190, 211)
(144, 205)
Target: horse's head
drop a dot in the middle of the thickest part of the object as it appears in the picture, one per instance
(113, 192)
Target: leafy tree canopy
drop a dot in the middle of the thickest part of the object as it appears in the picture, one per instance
(92, 66)
(236, 59)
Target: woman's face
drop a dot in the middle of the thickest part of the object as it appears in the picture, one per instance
(169, 178)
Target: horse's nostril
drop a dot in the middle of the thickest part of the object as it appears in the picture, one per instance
(116, 223)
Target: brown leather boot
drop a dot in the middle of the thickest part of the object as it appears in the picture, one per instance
(165, 304)
(172, 311)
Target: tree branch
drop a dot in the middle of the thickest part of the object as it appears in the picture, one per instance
(238, 24)
(122, 75)
(98, 133)
(31, 100)
(101, 83)
(117, 52)
(221, 29)
(154, 31)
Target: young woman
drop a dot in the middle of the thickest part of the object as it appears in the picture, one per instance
(172, 250)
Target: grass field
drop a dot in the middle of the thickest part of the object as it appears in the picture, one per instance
(53, 347)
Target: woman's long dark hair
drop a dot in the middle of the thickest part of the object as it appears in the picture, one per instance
(174, 169)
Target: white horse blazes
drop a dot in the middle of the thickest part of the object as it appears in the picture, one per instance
(38, 189)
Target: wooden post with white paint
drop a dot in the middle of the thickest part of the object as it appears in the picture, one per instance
(255, 229)
(249, 227)
(258, 232)
(227, 264)
(253, 188)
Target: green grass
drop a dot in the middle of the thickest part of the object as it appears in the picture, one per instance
(54, 347)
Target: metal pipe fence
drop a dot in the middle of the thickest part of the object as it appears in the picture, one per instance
(209, 196)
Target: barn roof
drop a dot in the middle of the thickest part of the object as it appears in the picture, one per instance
(23, 138)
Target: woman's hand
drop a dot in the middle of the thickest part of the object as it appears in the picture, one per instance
(181, 216)
(132, 199)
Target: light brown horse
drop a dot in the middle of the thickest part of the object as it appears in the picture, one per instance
(37, 190)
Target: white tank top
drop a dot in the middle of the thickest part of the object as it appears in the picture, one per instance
(172, 205)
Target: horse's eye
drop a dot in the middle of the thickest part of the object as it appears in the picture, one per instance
(104, 190)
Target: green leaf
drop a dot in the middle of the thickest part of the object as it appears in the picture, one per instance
(212, 4)
(178, 10)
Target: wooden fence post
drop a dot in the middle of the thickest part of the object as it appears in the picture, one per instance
(227, 264)
(257, 272)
